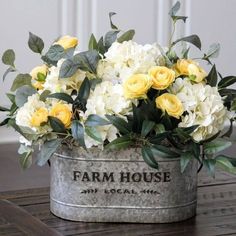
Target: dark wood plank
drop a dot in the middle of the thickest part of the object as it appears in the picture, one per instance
(24, 221)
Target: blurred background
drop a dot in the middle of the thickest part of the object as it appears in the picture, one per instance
(212, 20)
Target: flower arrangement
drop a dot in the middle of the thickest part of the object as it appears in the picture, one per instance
(121, 94)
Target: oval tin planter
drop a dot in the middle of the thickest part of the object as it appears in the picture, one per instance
(118, 186)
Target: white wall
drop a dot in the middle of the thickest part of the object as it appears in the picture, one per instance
(212, 20)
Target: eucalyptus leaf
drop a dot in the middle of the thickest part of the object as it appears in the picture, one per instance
(4, 109)
(4, 122)
(110, 38)
(47, 150)
(128, 35)
(21, 80)
(93, 133)
(119, 123)
(35, 43)
(8, 57)
(215, 146)
(43, 96)
(68, 68)
(77, 131)
(186, 157)
(95, 120)
(62, 96)
(56, 124)
(22, 94)
(9, 70)
(25, 160)
(120, 143)
(148, 157)
(193, 39)
(213, 51)
(55, 53)
(174, 9)
(110, 18)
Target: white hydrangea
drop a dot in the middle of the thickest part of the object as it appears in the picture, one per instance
(127, 58)
(106, 99)
(64, 85)
(24, 113)
(204, 107)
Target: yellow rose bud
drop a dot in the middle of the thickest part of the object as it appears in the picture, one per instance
(137, 86)
(63, 113)
(196, 73)
(39, 116)
(67, 42)
(162, 77)
(38, 75)
(190, 68)
(171, 104)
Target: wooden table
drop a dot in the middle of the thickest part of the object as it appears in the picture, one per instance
(26, 212)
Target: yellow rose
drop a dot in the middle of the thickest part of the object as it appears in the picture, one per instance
(137, 86)
(161, 76)
(38, 82)
(67, 42)
(171, 104)
(39, 116)
(190, 68)
(62, 112)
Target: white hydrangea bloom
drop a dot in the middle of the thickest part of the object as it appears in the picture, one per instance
(204, 107)
(127, 58)
(106, 99)
(65, 85)
(24, 114)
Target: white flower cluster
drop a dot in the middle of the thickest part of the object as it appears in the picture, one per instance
(62, 85)
(106, 99)
(125, 59)
(24, 113)
(204, 107)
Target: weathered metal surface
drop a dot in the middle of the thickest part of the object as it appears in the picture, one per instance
(97, 186)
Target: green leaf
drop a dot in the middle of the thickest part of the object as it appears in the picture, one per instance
(224, 163)
(120, 143)
(56, 124)
(8, 57)
(94, 82)
(9, 70)
(35, 43)
(137, 119)
(41, 77)
(190, 129)
(84, 91)
(210, 166)
(193, 39)
(26, 160)
(212, 77)
(215, 146)
(68, 68)
(93, 133)
(93, 45)
(55, 53)
(196, 148)
(119, 123)
(62, 96)
(4, 122)
(227, 81)
(47, 150)
(95, 120)
(186, 157)
(111, 23)
(227, 92)
(128, 35)
(147, 127)
(87, 61)
(148, 157)
(163, 151)
(213, 51)
(77, 131)
(101, 47)
(11, 97)
(22, 94)
(158, 138)
(43, 96)
(176, 18)
(110, 38)
(4, 109)
(21, 80)
(174, 9)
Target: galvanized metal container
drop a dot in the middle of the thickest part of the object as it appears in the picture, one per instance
(118, 186)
